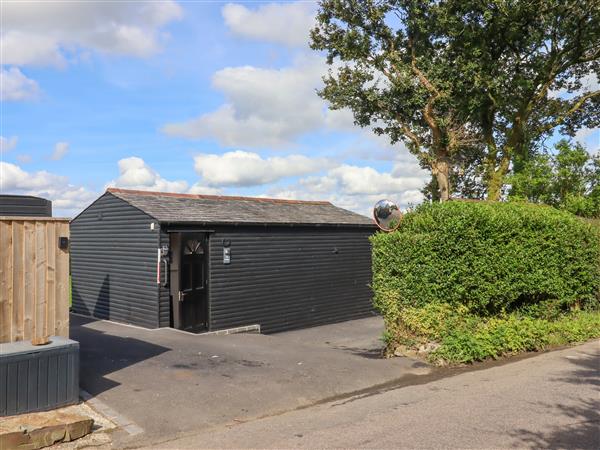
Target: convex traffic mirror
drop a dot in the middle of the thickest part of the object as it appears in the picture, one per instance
(387, 215)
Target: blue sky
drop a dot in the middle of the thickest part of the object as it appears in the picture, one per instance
(202, 97)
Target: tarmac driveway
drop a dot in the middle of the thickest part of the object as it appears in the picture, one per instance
(171, 383)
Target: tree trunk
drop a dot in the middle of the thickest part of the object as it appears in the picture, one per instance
(494, 187)
(496, 179)
(441, 171)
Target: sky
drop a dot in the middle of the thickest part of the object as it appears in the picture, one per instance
(200, 97)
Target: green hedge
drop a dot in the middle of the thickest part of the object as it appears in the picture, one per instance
(485, 259)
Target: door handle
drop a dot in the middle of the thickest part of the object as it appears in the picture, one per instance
(165, 272)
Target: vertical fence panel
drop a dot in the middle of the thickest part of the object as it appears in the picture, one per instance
(5, 282)
(18, 282)
(51, 244)
(40, 329)
(29, 278)
(62, 284)
(34, 278)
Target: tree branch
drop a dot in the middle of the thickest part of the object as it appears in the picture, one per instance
(418, 144)
(420, 75)
(412, 136)
(428, 114)
(576, 106)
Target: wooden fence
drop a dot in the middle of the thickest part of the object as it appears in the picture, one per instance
(34, 278)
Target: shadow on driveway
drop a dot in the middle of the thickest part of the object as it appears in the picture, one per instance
(170, 382)
(102, 353)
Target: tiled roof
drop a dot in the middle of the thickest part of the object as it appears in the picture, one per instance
(206, 209)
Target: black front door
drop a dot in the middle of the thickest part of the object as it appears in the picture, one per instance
(193, 283)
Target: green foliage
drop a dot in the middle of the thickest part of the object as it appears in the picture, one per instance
(464, 337)
(533, 181)
(484, 279)
(568, 179)
(476, 339)
(583, 205)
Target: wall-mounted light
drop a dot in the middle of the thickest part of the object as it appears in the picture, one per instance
(226, 255)
(226, 251)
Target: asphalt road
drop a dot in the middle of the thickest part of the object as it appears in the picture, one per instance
(170, 383)
(551, 400)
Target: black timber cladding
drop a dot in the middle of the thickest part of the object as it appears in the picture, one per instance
(293, 264)
(25, 205)
(113, 263)
(286, 278)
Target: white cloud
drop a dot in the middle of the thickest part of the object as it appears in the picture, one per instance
(60, 150)
(70, 200)
(24, 158)
(15, 179)
(341, 119)
(348, 186)
(584, 133)
(199, 188)
(369, 146)
(50, 33)
(590, 138)
(14, 86)
(241, 168)
(281, 23)
(136, 174)
(7, 144)
(264, 107)
(355, 180)
(357, 188)
(66, 198)
(20, 48)
(589, 82)
(362, 204)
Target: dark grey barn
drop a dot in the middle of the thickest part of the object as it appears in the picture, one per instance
(198, 262)
(25, 205)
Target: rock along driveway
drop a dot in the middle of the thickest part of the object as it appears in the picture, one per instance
(171, 383)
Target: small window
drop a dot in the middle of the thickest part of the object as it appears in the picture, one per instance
(193, 247)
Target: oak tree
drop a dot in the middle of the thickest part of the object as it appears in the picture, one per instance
(390, 68)
(534, 66)
(462, 77)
